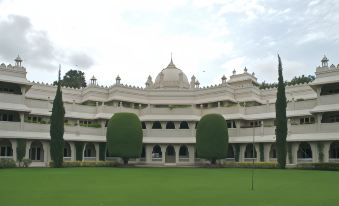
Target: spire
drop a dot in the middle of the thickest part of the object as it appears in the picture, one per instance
(59, 77)
(171, 62)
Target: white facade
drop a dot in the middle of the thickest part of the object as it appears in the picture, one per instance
(169, 109)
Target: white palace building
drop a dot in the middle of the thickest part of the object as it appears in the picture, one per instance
(170, 108)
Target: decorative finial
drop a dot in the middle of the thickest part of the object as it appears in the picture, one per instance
(234, 72)
(245, 70)
(171, 59)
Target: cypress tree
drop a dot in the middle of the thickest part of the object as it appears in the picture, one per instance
(57, 128)
(281, 119)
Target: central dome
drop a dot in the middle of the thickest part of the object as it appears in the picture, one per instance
(171, 77)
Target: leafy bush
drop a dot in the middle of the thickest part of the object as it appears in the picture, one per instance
(7, 163)
(319, 166)
(26, 162)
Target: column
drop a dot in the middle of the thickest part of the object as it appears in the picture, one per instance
(318, 118)
(242, 152)
(73, 152)
(267, 149)
(96, 146)
(22, 120)
(14, 146)
(191, 153)
(28, 146)
(237, 124)
(295, 147)
(176, 149)
(327, 151)
(148, 149)
(315, 152)
(163, 150)
(262, 132)
(45, 146)
(257, 149)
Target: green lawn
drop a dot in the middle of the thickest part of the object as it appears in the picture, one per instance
(166, 186)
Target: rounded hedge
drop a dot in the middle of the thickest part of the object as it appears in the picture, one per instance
(212, 137)
(124, 136)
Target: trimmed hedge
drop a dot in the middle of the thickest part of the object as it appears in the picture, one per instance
(102, 151)
(88, 164)
(7, 163)
(319, 166)
(257, 165)
(124, 136)
(212, 137)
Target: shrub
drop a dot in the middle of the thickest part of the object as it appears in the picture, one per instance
(27, 162)
(88, 164)
(124, 136)
(212, 137)
(7, 163)
(319, 166)
(21, 150)
(257, 165)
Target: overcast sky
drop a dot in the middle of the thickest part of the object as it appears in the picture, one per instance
(135, 38)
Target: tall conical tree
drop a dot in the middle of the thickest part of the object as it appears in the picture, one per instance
(281, 119)
(57, 128)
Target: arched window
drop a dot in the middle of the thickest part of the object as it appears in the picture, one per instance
(67, 150)
(183, 151)
(89, 150)
(170, 125)
(334, 150)
(156, 152)
(184, 125)
(230, 151)
(36, 152)
(156, 125)
(250, 150)
(143, 125)
(6, 148)
(273, 151)
(304, 151)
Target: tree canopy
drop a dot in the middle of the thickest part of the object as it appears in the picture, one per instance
(212, 137)
(73, 78)
(124, 136)
(296, 80)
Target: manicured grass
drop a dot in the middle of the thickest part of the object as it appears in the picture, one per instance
(166, 186)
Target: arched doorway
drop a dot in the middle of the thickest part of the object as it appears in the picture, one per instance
(156, 153)
(90, 152)
(170, 154)
(304, 151)
(273, 152)
(230, 152)
(250, 151)
(6, 150)
(334, 151)
(183, 153)
(36, 152)
(67, 151)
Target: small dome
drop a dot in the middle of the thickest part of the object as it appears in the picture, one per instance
(171, 77)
